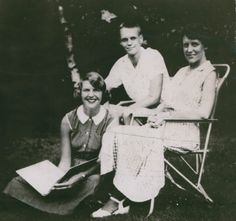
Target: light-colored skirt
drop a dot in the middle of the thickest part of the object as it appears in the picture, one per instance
(137, 156)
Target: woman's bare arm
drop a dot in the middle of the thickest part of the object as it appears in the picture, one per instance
(154, 93)
(65, 161)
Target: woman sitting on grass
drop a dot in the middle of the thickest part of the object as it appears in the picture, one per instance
(81, 133)
(136, 153)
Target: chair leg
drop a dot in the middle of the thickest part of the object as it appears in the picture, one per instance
(168, 175)
(203, 192)
(197, 187)
(152, 203)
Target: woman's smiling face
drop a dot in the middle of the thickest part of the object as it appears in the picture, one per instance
(194, 51)
(91, 97)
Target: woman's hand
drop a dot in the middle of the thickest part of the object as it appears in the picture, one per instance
(127, 111)
(156, 121)
(73, 181)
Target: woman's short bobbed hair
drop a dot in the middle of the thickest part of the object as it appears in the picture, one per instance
(197, 31)
(97, 81)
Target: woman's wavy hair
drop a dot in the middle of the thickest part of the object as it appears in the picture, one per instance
(197, 31)
(97, 81)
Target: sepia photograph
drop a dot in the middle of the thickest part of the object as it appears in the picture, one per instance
(118, 110)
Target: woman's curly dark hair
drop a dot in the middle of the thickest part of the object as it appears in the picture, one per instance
(197, 31)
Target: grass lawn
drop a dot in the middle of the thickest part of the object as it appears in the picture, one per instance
(172, 204)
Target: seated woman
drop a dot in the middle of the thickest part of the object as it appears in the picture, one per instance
(136, 153)
(81, 133)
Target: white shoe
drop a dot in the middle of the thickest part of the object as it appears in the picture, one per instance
(100, 213)
(121, 209)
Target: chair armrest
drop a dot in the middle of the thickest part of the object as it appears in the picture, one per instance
(191, 120)
(177, 120)
(122, 103)
(140, 114)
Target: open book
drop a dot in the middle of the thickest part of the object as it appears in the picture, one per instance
(44, 175)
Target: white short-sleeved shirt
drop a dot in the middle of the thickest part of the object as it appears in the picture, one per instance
(137, 80)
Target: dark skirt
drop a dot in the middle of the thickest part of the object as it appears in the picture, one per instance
(60, 202)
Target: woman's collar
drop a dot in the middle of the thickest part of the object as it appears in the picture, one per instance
(96, 119)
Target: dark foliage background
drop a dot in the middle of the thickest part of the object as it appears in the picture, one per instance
(35, 87)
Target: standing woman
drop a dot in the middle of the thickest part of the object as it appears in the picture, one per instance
(136, 153)
(81, 133)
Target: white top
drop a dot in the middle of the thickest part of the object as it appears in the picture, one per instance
(184, 91)
(136, 80)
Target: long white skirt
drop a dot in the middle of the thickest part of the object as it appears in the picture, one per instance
(138, 160)
(137, 155)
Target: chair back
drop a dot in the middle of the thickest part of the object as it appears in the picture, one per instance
(222, 71)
